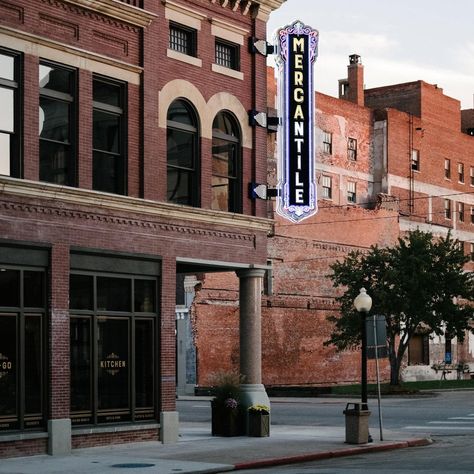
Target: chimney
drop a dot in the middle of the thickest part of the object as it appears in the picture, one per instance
(352, 88)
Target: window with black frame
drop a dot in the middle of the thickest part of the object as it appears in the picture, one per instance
(226, 166)
(9, 118)
(22, 348)
(182, 39)
(56, 124)
(182, 154)
(113, 345)
(227, 54)
(109, 163)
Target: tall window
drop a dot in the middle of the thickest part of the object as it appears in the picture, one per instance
(351, 192)
(415, 160)
(227, 54)
(57, 124)
(418, 350)
(113, 345)
(327, 187)
(182, 155)
(447, 168)
(471, 251)
(226, 181)
(461, 211)
(471, 172)
(352, 149)
(472, 215)
(447, 209)
(182, 39)
(327, 143)
(461, 172)
(9, 118)
(22, 348)
(109, 157)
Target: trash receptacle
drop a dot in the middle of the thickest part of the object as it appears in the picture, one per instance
(357, 423)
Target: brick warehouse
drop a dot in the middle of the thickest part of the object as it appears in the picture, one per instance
(388, 159)
(139, 173)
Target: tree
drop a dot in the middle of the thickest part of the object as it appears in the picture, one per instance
(420, 283)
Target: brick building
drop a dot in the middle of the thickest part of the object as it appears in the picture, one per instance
(126, 154)
(388, 160)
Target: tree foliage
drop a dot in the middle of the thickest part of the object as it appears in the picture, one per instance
(420, 283)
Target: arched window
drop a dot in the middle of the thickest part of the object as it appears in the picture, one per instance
(226, 168)
(182, 154)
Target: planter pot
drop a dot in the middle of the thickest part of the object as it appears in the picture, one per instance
(225, 421)
(259, 424)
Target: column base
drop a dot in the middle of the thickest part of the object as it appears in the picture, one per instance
(59, 441)
(254, 394)
(169, 427)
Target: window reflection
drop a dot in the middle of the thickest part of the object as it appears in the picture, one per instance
(81, 368)
(225, 164)
(113, 337)
(9, 148)
(56, 125)
(182, 154)
(113, 294)
(108, 134)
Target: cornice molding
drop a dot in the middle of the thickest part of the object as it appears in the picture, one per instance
(118, 10)
(100, 201)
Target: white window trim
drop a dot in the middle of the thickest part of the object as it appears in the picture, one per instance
(185, 58)
(183, 15)
(227, 71)
(228, 31)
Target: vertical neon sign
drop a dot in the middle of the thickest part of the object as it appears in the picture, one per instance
(298, 49)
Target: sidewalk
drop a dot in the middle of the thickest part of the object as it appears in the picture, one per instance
(199, 452)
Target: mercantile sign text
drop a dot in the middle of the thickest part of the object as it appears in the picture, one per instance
(298, 44)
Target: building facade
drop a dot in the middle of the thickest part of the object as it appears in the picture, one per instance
(388, 160)
(125, 155)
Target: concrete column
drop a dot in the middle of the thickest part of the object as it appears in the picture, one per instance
(250, 299)
(169, 427)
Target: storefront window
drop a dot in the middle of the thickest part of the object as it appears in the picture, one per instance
(22, 367)
(112, 348)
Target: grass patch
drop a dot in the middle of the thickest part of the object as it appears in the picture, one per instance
(404, 388)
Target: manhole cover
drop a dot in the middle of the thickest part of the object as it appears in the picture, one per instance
(132, 465)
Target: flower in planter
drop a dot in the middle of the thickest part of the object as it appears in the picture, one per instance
(231, 403)
(262, 409)
(226, 387)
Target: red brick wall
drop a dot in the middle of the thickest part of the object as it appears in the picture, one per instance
(28, 447)
(294, 325)
(120, 437)
(59, 374)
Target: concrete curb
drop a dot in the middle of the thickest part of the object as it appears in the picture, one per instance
(332, 454)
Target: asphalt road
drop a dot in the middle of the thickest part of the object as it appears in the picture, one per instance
(439, 414)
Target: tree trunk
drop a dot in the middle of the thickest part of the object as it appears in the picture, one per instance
(395, 362)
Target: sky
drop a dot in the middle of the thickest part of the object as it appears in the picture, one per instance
(398, 41)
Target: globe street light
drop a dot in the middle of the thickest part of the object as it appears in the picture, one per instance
(363, 303)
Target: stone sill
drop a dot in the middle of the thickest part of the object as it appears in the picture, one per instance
(23, 436)
(113, 429)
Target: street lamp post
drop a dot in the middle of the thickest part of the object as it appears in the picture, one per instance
(363, 303)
